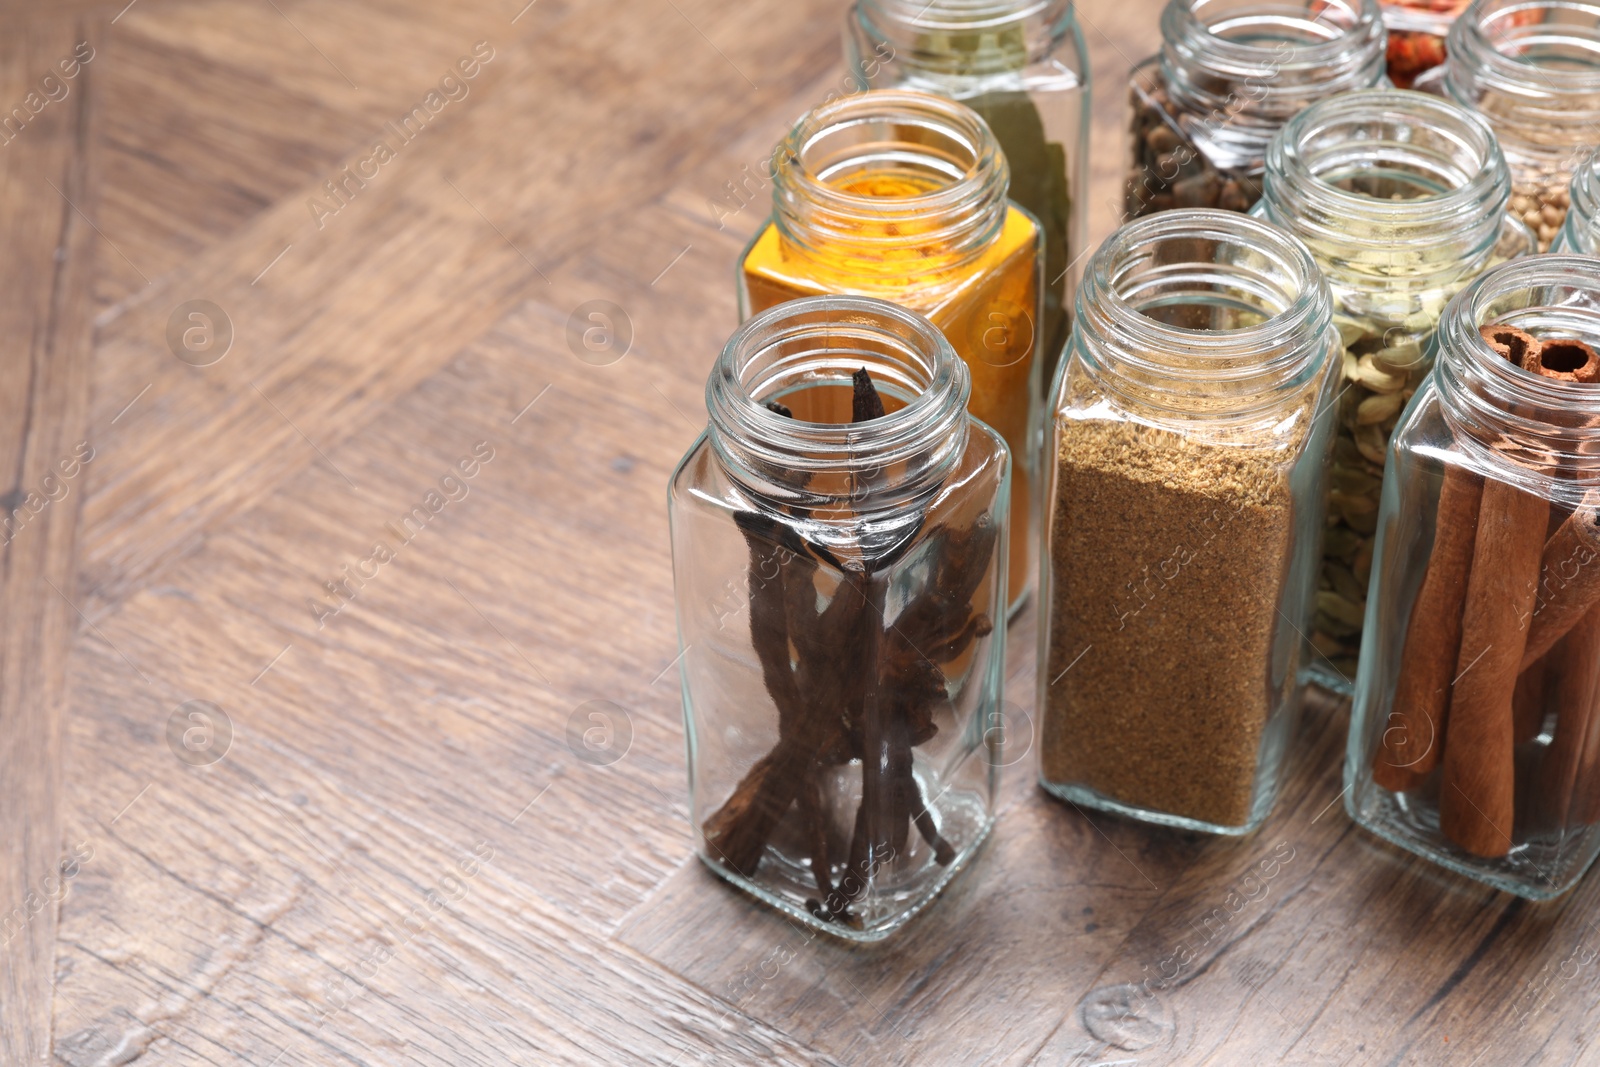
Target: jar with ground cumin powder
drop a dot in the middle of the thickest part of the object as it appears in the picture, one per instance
(1402, 199)
(1188, 449)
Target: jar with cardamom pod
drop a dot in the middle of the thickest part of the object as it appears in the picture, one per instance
(1189, 446)
(1581, 230)
(1022, 65)
(1402, 199)
(839, 565)
(901, 195)
(1229, 74)
(1532, 68)
(1475, 731)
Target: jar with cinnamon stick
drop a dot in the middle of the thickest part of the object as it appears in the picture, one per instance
(902, 195)
(1229, 74)
(1532, 68)
(1190, 440)
(1581, 231)
(839, 561)
(1402, 199)
(1475, 735)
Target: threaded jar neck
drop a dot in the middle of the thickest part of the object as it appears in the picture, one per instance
(806, 350)
(1389, 189)
(965, 37)
(1532, 68)
(1582, 229)
(1237, 70)
(891, 183)
(1204, 316)
(1516, 419)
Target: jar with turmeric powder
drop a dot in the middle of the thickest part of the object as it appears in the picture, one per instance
(1022, 65)
(1402, 199)
(1188, 446)
(1475, 733)
(901, 195)
(1229, 74)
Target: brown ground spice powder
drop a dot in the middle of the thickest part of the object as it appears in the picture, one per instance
(1169, 558)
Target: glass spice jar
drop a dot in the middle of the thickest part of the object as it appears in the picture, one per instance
(1581, 230)
(1475, 735)
(1189, 445)
(1022, 66)
(901, 195)
(1401, 198)
(1229, 75)
(839, 559)
(1532, 68)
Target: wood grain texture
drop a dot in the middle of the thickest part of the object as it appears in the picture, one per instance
(383, 845)
(48, 197)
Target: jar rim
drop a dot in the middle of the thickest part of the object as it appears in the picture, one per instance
(1488, 177)
(966, 212)
(1186, 370)
(1185, 20)
(806, 342)
(966, 15)
(1533, 418)
(1471, 39)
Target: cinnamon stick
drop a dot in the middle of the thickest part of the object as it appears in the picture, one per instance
(1476, 803)
(1414, 739)
(1570, 584)
(1566, 781)
(1528, 702)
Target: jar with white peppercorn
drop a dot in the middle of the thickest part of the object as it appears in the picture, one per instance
(1229, 75)
(1581, 231)
(1402, 199)
(1532, 68)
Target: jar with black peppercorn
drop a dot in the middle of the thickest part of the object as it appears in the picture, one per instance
(1581, 231)
(1402, 199)
(839, 566)
(1532, 68)
(1229, 75)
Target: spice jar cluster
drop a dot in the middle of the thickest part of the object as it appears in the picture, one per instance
(1318, 412)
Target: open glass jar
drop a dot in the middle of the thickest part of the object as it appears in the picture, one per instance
(1581, 230)
(1532, 68)
(1189, 451)
(1475, 735)
(1229, 75)
(901, 195)
(1401, 198)
(839, 560)
(1022, 66)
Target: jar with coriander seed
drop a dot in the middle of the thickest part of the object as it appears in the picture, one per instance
(1402, 199)
(1022, 65)
(839, 568)
(1188, 449)
(1532, 69)
(1581, 230)
(1229, 74)
(901, 195)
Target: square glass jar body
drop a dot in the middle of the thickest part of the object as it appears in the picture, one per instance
(1180, 576)
(925, 679)
(1552, 829)
(988, 309)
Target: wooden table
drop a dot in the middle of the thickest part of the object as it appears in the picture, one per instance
(284, 834)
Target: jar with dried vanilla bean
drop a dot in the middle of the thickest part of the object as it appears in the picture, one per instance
(1189, 448)
(1402, 199)
(839, 564)
(1229, 74)
(1532, 69)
